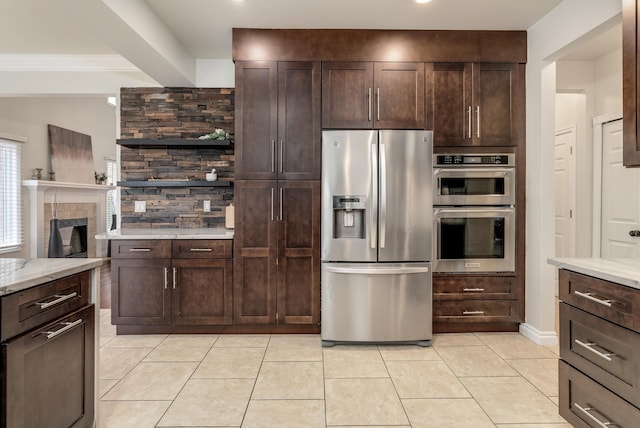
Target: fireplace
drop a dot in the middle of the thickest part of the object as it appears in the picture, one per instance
(74, 237)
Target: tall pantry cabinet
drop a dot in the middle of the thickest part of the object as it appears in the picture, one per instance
(277, 193)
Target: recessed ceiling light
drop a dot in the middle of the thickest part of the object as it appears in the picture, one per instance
(423, 1)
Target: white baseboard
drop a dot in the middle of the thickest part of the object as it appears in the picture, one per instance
(545, 338)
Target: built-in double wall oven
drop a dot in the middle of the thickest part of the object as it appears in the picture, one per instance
(474, 212)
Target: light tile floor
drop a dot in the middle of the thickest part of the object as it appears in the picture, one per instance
(464, 380)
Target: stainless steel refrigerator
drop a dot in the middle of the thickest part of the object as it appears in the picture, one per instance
(376, 236)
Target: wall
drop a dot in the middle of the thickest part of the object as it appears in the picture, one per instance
(28, 117)
(548, 39)
(175, 113)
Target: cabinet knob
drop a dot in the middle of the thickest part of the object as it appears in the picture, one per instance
(634, 233)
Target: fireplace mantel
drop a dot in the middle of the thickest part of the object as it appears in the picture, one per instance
(45, 191)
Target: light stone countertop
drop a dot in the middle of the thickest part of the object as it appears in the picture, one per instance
(620, 271)
(19, 274)
(168, 233)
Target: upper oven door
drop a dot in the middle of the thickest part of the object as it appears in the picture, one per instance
(474, 239)
(474, 186)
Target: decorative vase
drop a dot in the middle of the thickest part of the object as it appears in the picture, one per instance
(55, 239)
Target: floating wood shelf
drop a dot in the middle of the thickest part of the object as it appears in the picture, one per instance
(172, 142)
(173, 183)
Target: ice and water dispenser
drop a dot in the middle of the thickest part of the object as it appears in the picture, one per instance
(349, 213)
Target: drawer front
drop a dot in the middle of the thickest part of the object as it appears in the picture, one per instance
(605, 351)
(38, 305)
(474, 287)
(585, 403)
(475, 311)
(141, 249)
(614, 302)
(202, 249)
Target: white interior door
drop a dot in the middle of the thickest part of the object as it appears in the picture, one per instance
(565, 192)
(620, 198)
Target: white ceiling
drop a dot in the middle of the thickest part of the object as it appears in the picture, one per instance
(165, 38)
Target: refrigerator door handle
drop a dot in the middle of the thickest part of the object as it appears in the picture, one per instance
(373, 227)
(383, 195)
(378, 271)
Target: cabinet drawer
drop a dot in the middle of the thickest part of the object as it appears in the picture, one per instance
(202, 249)
(473, 287)
(585, 403)
(38, 305)
(607, 352)
(614, 302)
(475, 311)
(141, 249)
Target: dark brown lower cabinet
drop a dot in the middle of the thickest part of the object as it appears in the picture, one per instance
(277, 260)
(599, 371)
(48, 372)
(465, 303)
(193, 286)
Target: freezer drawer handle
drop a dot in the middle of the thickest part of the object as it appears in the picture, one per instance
(589, 296)
(67, 326)
(473, 313)
(473, 290)
(382, 271)
(589, 346)
(59, 299)
(587, 410)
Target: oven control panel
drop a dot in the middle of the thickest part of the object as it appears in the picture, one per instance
(507, 159)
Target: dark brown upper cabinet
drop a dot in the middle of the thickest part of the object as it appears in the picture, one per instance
(630, 70)
(476, 104)
(278, 120)
(364, 95)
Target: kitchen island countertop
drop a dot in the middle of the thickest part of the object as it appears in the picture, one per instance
(19, 274)
(620, 271)
(168, 233)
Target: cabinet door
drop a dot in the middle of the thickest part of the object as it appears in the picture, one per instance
(347, 95)
(256, 120)
(498, 104)
(299, 128)
(449, 112)
(630, 71)
(140, 291)
(299, 252)
(202, 292)
(399, 95)
(254, 293)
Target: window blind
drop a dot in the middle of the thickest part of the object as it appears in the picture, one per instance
(10, 192)
(112, 175)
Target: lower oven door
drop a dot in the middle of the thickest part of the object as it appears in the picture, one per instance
(474, 239)
(50, 374)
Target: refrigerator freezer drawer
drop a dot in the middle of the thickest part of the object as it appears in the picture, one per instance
(364, 302)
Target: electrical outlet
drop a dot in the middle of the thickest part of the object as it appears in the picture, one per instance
(207, 206)
(140, 207)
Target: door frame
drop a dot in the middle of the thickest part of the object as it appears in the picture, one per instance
(598, 139)
(572, 183)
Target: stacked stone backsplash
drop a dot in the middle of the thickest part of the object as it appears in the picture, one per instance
(175, 113)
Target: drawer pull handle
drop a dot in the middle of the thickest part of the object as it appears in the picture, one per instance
(139, 250)
(67, 326)
(59, 299)
(589, 296)
(473, 313)
(589, 346)
(201, 250)
(586, 411)
(473, 290)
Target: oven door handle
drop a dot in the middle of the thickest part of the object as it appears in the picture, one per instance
(439, 211)
(492, 172)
